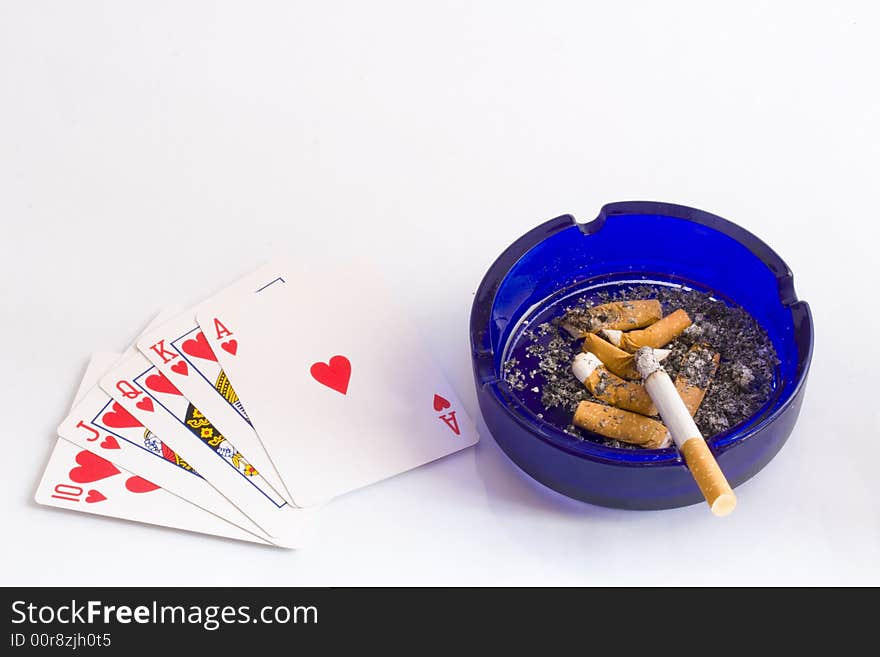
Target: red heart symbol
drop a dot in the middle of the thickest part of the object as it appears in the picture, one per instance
(109, 442)
(230, 346)
(160, 383)
(94, 496)
(199, 347)
(91, 468)
(180, 368)
(119, 418)
(334, 374)
(145, 404)
(139, 485)
(440, 403)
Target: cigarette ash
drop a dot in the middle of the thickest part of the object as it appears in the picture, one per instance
(742, 384)
(646, 362)
(696, 366)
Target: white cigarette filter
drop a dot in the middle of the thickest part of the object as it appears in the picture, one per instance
(610, 388)
(616, 360)
(659, 334)
(623, 315)
(685, 434)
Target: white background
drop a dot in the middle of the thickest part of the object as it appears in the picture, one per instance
(151, 153)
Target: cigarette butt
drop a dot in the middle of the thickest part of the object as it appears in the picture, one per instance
(695, 375)
(621, 425)
(610, 388)
(708, 476)
(686, 435)
(615, 359)
(657, 335)
(624, 315)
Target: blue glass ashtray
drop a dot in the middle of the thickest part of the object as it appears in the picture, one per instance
(676, 245)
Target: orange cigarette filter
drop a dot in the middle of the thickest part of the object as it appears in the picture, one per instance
(702, 363)
(611, 389)
(616, 360)
(709, 477)
(621, 425)
(619, 315)
(658, 334)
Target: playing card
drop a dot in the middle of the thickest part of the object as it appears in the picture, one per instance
(100, 424)
(181, 353)
(336, 382)
(146, 395)
(81, 480)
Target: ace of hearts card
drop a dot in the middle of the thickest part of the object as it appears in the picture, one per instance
(336, 381)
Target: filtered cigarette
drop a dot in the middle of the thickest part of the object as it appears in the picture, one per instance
(659, 334)
(609, 387)
(695, 375)
(685, 434)
(621, 425)
(621, 315)
(616, 360)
